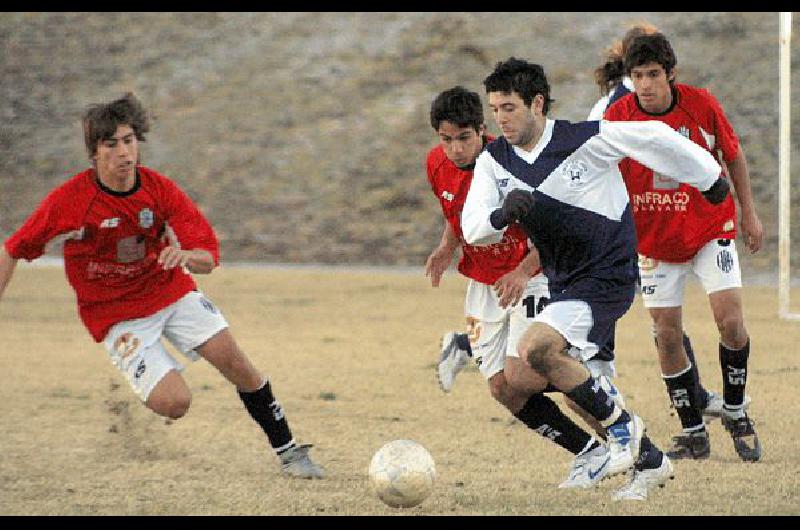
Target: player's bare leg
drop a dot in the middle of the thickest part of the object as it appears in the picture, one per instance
(224, 354)
(545, 350)
(525, 400)
(676, 370)
(734, 350)
(170, 397)
(255, 392)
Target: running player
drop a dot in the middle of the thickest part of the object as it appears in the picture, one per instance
(614, 83)
(680, 233)
(505, 289)
(132, 285)
(561, 181)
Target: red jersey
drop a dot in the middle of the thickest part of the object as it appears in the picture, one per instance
(113, 240)
(673, 220)
(485, 264)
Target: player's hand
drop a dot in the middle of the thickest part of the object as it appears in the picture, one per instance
(717, 192)
(437, 263)
(510, 287)
(172, 257)
(752, 231)
(518, 204)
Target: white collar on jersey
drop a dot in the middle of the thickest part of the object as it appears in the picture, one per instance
(533, 154)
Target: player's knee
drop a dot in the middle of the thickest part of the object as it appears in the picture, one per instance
(498, 387)
(732, 331)
(179, 407)
(173, 407)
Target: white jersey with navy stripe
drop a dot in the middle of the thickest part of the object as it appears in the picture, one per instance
(599, 109)
(581, 223)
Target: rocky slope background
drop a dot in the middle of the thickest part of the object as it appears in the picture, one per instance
(303, 135)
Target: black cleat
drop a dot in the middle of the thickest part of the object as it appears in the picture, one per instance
(694, 446)
(745, 439)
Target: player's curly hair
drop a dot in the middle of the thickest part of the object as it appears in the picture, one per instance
(101, 120)
(610, 73)
(520, 76)
(654, 48)
(459, 106)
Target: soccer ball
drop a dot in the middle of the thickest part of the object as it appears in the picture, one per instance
(402, 473)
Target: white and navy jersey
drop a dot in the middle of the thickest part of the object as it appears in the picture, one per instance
(622, 89)
(581, 222)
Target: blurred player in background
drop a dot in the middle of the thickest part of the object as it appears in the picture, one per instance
(133, 287)
(562, 183)
(505, 291)
(610, 76)
(679, 233)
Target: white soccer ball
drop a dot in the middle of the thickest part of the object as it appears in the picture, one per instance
(402, 473)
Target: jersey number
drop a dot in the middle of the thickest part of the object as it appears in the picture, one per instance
(533, 306)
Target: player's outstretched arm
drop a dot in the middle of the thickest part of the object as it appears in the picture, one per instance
(656, 145)
(7, 266)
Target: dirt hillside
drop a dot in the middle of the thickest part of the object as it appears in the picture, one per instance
(303, 135)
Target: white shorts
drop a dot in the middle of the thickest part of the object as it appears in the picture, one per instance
(493, 331)
(573, 320)
(135, 346)
(716, 265)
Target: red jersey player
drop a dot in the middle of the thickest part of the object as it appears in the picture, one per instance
(131, 239)
(678, 233)
(504, 293)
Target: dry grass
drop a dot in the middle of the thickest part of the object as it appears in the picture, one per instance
(350, 355)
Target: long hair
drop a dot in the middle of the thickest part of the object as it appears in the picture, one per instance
(610, 73)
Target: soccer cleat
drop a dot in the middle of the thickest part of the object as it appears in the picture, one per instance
(645, 480)
(451, 361)
(588, 469)
(295, 462)
(693, 446)
(716, 404)
(624, 442)
(745, 439)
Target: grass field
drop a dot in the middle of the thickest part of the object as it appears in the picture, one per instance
(351, 356)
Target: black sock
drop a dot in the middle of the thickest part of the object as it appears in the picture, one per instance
(593, 399)
(650, 456)
(684, 396)
(462, 340)
(702, 393)
(268, 413)
(541, 414)
(734, 373)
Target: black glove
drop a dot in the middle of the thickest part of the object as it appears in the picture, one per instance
(717, 192)
(517, 205)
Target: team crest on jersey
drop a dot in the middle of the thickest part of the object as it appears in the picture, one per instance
(446, 195)
(503, 182)
(684, 131)
(575, 170)
(146, 218)
(728, 226)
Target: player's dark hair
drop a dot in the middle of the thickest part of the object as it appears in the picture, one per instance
(520, 76)
(459, 106)
(101, 120)
(654, 48)
(610, 73)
